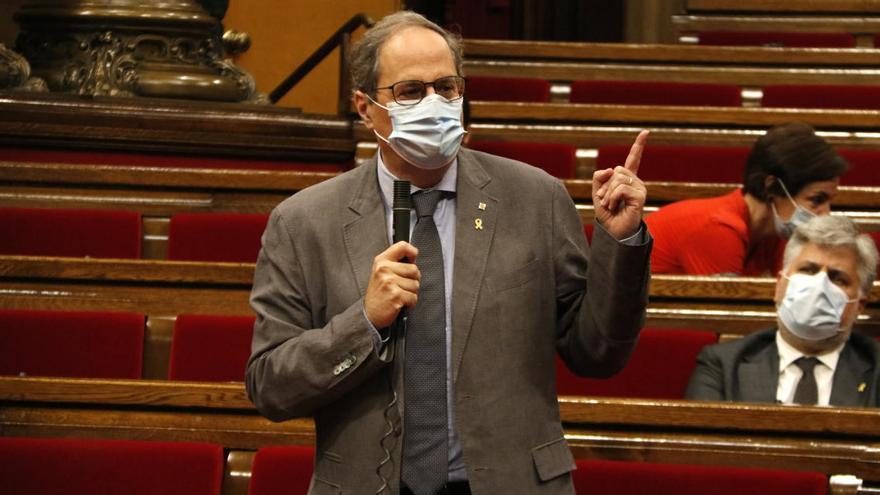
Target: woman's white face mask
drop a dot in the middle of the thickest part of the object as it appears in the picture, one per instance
(801, 215)
(428, 134)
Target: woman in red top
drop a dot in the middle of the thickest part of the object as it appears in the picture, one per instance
(791, 174)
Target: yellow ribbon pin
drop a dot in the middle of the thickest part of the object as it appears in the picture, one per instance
(862, 387)
(478, 224)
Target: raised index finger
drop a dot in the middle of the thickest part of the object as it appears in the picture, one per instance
(635, 153)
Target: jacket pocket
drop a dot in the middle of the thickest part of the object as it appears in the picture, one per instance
(553, 459)
(326, 475)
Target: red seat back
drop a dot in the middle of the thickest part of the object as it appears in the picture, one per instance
(71, 344)
(600, 477)
(588, 231)
(750, 38)
(88, 467)
(70, 232)
(655, 93)
(822, 96)
(210, 348)
(526, 89)
(162, 161)
(864, 167)
(232, 237)
(681, 163)
(557, 159)
(285, 470)
(659, 368)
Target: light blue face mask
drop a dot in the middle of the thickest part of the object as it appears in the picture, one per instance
(813, 306)
(428, 135)
(801, 215)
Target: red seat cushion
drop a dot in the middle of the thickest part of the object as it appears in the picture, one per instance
(588, 231)
(659, 368)
(681, 163)
(164, 161)
(749, 38)
(526, 89)
(285, 470)
(864, 167)
(557, 159)
(655, 93)
(70, 232)
(233, 237)
(600, 477)
(822, 96)
(210, 348)
(71, 344)
(88, 467)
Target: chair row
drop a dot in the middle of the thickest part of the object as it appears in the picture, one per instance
(73, 466)
(216, 348)
(664, 92)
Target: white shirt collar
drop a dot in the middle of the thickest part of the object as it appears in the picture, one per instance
(386, 180)
(788, 354)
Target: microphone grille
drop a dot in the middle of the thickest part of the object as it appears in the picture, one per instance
(402, 198)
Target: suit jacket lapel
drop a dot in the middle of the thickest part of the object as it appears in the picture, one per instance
(758, 376)
(364, 225)
(473, 239)
(851, 372)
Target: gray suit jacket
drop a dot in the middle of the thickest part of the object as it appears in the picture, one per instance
(520, 294)
(747, 370)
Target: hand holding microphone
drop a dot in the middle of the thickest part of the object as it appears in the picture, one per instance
(394, 280)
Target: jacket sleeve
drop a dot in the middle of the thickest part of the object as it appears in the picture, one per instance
(601, 302)
(707, 380)
(296, 368)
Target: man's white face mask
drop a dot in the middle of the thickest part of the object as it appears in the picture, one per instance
(428, 134)
(812, 306)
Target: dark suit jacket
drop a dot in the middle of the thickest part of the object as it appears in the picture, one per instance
(520, 293)
(747, 370)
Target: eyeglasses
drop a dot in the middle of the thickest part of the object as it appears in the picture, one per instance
(412, 92)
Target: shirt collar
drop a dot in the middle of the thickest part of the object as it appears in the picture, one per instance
(386, 180)
(788, 354)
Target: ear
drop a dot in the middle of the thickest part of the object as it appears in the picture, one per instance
(768, 182)
(781, 285)
(362, 104)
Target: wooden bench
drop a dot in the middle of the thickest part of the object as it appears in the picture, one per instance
(832, 441)
(751, 68)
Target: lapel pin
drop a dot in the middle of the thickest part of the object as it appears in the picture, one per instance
(862, 387)
(481, 206)
(478, 224)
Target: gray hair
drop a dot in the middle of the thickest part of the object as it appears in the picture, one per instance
(364, 56)
(836, 231)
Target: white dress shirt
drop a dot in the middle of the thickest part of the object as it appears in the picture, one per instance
(790, 374)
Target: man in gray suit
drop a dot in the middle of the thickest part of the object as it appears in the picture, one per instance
(513, 286)
(813, 357)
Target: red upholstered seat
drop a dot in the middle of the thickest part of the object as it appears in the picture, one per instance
(163, 161)
(842, 96)
(655, 93)
(70, 232)
(71, 344)
(557, 159)
(588, 231)
(659, 368)
(681, 163)
(528, 89)
(600, 477)
(864, 167)
(278, 470)
(748, 38)
(89, 467)
(210, 348)
(233, 237)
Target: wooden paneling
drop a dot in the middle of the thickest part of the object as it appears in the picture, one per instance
(800, 6)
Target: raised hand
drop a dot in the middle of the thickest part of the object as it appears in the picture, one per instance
(393, 284)
(619, 195)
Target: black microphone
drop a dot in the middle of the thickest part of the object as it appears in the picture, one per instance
(400, 211)
(400, 208)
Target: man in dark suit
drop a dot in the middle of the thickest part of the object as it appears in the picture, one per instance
(813, 357)
(511, 285)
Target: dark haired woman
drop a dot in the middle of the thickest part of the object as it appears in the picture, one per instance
(791, 174)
